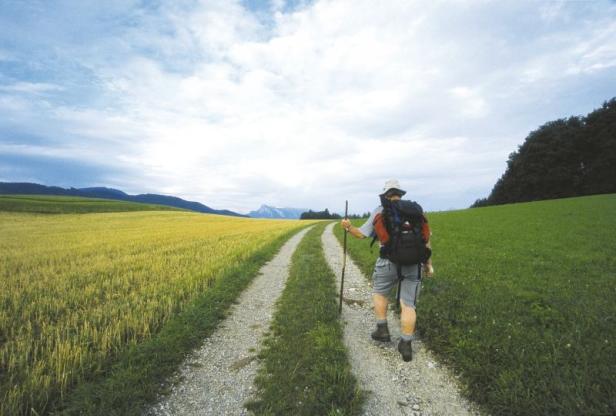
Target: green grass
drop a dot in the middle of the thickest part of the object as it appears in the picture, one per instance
(138, 375)
(522, 305)
(56, 204)
(305, 369)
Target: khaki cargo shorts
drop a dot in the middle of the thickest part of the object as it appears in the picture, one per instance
(385, 278)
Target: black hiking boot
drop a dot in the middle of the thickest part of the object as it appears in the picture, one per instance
(381, 333)
(405, 349)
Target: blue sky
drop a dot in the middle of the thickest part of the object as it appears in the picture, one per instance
(302, 103)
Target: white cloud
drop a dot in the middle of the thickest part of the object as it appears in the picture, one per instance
(470, 102)
(211, 102)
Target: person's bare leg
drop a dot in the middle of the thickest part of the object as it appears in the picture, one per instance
(380, 306)
(408, 319)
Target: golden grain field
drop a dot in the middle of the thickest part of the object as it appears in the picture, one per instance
(75, 289)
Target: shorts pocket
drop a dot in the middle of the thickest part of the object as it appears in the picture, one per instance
(381, 268)
(380, 263)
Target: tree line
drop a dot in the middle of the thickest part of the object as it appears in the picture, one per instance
(563, 158)
(326, 215)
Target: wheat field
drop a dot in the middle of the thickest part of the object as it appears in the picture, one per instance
(77, 289)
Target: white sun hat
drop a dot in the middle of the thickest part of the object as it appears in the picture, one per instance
(393, 184)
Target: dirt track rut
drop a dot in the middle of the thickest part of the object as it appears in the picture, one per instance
(218, 378)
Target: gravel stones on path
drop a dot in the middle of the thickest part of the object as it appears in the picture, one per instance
(218, 378)
(420, 387)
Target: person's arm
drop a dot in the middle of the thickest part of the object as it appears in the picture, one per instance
(428, 264)
(354, 231)
(366, 230)
(427, 233)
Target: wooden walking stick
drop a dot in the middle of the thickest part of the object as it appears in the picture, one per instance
(346, 213)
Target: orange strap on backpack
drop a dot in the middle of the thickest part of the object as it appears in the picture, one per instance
(425, 229)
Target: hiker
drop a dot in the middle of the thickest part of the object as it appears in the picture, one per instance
(388, 274)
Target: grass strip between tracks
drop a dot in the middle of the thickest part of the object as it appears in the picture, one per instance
(305, 368)
(137, 378)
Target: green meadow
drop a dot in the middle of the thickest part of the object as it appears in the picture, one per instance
(522, 303)
(57, 204)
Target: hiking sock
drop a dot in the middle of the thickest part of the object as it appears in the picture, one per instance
(381, 321)
(406, 337)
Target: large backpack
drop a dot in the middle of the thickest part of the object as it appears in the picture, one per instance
(400, 232)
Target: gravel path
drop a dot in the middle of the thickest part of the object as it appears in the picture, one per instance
(420, 387)
(218, 378)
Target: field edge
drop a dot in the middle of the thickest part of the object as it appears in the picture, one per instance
(144, 373)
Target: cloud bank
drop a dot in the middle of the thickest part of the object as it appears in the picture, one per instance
(236, 104)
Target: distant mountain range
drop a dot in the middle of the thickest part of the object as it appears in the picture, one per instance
(25, 188)
(265, 211)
